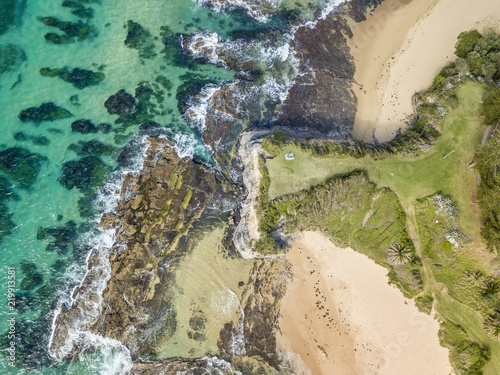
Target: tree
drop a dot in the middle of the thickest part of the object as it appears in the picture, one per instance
(492, 324)
(398, 255)
(466, 42)
(491, 107)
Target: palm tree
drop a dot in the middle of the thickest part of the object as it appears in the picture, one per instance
(492, 324)
(397, 254)
(490, 287)
(474, 277)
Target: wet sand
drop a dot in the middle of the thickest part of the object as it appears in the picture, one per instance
(342, 317)
(399, 50)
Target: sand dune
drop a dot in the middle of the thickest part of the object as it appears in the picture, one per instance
(342, 317)
(399, 50)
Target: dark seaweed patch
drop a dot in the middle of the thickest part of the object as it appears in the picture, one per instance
(80, 78)
(62, 236)
(46, 112)
(84, 174)
(83, 127)
(41, 140)
(122, 104)
(140, 39)
(32, 278)
(11, 57)
(21, 137)
(78, 9)
(93, 147)
(21, 165)
(73, 31)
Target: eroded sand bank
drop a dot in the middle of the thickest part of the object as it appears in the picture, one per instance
(399, 50)
(342, 317)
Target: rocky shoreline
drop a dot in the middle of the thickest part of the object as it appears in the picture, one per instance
(125, 293)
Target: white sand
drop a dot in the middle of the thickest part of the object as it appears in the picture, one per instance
(342, 317)
(400, 49)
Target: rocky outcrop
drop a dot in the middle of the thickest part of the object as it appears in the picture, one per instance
(261, 301)
(156, 208)
(322, 99)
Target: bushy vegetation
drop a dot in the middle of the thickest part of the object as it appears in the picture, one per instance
(490, 108)
(353, 212)
(488, 165)
(478, 55)
(466, 356)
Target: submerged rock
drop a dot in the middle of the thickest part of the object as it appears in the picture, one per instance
(11, 57)
(21, 165)
(73, 31)
(45, 112)
(84, 174)
(83, 126)
(32, 278)
(140, 39)
(80, 78)
(78, 9)
(122, 104)
(92, 147)
(41, 140)
(62, 236)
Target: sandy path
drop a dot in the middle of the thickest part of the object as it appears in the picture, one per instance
(400, 49)
(342, 317)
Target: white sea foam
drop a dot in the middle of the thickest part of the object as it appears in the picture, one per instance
(224, 302)
(188, 145)
(215, 366)
(204, 45)
(198, 106)
(254, 8)
(115, 357)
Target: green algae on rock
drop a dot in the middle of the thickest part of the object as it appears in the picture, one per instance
(149, 221)
(80, 78)
(45, 112)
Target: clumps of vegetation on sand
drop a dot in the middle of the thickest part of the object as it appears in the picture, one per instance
(353, 212)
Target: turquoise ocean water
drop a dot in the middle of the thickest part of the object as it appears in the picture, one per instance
(54, 181)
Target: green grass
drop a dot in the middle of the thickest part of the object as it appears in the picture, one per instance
(444, 169)
(410, 178)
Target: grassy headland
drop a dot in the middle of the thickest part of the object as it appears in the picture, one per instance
(417, 192)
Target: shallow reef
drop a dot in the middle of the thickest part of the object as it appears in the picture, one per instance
(80, 78)
(45, 112)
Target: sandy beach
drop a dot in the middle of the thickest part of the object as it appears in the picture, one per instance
(399, 50)
(341, 317)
